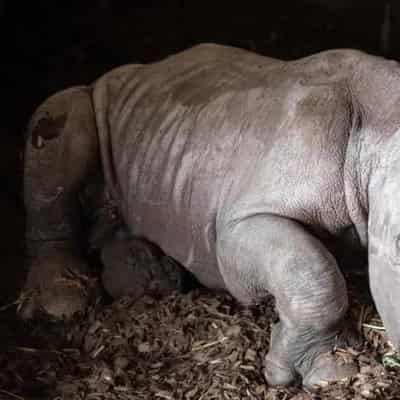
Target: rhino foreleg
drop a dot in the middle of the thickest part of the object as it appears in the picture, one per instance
(267, 253)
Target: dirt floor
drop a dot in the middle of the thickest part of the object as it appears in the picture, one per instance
(200, 345)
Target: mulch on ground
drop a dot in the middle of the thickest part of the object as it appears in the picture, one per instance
(201, 345)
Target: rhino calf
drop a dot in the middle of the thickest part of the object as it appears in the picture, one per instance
(238, 167)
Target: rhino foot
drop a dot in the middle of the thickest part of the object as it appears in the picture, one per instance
(333, 366)
(277, 374)
(58, 287)
(327, 368)
(309, 354)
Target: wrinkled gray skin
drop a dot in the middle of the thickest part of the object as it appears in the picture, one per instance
(237, 166)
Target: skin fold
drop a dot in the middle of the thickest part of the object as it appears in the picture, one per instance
(242, 169)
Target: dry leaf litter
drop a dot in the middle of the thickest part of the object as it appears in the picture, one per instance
(201, 345)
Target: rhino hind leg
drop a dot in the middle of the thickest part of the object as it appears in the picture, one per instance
(61, 151)
(270, 254)
(135, 267)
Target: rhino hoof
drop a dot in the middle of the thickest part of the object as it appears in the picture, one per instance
(62, 301)
(57, 288)
(328, 368)
(277, 375)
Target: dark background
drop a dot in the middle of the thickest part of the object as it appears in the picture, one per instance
(49, 45)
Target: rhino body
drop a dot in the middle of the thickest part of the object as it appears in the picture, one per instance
(215, 135)
(243, 169)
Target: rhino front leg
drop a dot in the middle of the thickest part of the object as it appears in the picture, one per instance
(61, 151)
(270, 254)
